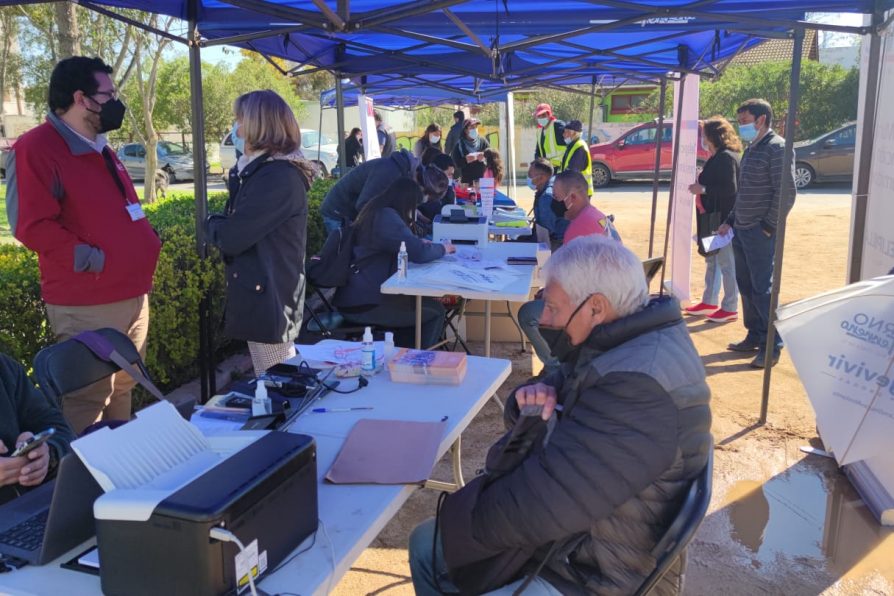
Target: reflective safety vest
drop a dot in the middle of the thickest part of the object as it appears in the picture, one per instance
(588, 171)
(549, 147)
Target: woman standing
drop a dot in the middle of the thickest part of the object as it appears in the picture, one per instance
(430, 138)
(353, 149)
(468, 155)
(262, 234)
(717, 187)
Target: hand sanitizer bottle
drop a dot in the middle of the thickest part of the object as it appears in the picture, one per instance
(260, 405)
(368, 353)
(390, 350)
(402, 259)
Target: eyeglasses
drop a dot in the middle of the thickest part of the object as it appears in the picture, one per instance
(113, 94)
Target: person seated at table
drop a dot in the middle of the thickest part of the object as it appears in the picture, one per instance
(430, 139)
(24, 412)
(571, 201)
(354, 190)
(383, 223)
(582, 504)
(468, 154)
(431, 207)
(546, 211)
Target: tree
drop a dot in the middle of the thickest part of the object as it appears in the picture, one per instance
(254, 72)
(10, 61)
(172, 108)
(69, 34)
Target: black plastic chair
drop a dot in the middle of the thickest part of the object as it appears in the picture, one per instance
(651, 267)
(70, 365)
(683, 528)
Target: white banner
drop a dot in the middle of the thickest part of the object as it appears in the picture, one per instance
(681, 219)
(368, 128)
(878, 241)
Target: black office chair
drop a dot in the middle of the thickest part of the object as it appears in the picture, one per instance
(683, 528)
(651, 267)
(70, 365)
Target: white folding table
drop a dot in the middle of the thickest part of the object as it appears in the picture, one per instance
(351, 515)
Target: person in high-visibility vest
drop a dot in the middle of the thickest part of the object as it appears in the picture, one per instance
(550, 144)
(577, 154)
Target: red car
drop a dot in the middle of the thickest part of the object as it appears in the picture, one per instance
(632, 155)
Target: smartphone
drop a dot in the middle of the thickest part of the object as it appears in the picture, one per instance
(34, 442)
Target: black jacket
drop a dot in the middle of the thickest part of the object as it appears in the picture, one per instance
(453, 137)
(719, 177)
(353, 152)
(459, 154)
(262, 239)
(610, 477)
(24, 409)
(375, 249)
(357, 187)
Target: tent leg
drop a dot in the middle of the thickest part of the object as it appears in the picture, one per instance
(592, 109)
(206, 352)
(509, 157)
(340, 118)
(785, 187)
(662, 99)
(678, 118)
(867, 133)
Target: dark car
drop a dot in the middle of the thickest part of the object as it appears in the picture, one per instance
(827, 158)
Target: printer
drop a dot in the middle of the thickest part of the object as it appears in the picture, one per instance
(153, 533)
(458, 226)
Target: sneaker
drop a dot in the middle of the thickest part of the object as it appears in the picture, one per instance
(746, 345)
(760, 360)
(700, 309)
(723, 316)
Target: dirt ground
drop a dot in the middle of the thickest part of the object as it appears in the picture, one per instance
(780, 521)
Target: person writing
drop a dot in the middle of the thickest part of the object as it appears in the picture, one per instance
(380, 228)
(716, 187)
(262, 234)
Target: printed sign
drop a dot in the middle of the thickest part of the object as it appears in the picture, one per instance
(681, 218)
(368, 128)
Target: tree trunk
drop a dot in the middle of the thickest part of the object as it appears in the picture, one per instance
(69, 35)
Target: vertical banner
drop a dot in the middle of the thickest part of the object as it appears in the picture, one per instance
(368, 128)
(507, 143)
(681, 218)
(878, 239)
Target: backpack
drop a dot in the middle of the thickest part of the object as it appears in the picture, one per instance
(332, 266)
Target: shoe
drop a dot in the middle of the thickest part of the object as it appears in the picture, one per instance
(746, 345)
(700, 309)
(723, 316)
(760, 360)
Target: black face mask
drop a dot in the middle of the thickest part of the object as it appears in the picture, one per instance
(558, 339)
(111, 115)
(558, 207)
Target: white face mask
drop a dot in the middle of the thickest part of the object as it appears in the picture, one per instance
(543, 121)
(569, 139)
(434, 139)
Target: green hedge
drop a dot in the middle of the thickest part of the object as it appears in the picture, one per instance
(181, 280)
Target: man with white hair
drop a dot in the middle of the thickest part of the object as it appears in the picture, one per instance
(576, 503)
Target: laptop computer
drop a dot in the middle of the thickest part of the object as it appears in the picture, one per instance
(50, 520)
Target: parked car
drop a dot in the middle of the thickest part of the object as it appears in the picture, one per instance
(173, 159)
(632, 155)
(827, 158)
(326, 158)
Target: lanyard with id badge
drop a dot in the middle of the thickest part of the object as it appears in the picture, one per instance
(134, 210)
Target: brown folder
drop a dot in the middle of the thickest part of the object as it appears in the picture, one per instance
(387, 452)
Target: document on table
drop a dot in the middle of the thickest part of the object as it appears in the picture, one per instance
(712, 243)
(461, 276)
(387, 452)
(339, 353)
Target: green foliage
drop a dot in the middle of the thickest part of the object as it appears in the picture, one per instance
(181, 280)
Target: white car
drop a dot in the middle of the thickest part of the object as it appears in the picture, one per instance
(326, 157)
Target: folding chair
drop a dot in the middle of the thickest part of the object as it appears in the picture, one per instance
(683, 528)
(71, 365)
(651, 267)
(455, 307)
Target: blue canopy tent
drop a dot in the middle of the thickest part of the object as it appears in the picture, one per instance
(510, 45)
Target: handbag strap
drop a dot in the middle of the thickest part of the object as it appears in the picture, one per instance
(104, 350)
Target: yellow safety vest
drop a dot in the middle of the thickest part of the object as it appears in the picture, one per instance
(588, 171)
(549, 148)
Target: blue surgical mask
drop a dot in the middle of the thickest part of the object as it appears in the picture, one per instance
(531, 184)
(748, 132)
(473, 133)
(238, 141)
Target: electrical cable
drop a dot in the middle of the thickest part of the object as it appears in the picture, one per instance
(224, 535)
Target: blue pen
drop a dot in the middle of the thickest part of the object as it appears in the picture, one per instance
(327, 410)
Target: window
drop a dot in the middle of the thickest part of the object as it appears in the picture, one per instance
(848, 136)
(641, 136)
(309, 138)
(130, 150)
(228, 140)
(628, 104)
(165, 148)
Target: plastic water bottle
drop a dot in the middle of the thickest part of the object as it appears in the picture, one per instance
(390, 350)
(402, 260)
(261, 405)
(368, 353)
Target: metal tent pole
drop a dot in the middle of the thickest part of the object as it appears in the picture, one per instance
(340, 119)
(662, 97)
(592, 107)
(206, 351)
(786, 186)
(867, 133)
(678, 119)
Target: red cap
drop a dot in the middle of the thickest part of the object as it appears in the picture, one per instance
(543, 108)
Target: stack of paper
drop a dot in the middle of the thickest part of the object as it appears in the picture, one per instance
(457, 276)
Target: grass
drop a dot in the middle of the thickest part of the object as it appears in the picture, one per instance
(5, 233)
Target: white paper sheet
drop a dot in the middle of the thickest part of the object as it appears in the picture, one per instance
(711, 243)
(450, 275)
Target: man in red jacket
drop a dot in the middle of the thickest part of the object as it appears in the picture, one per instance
(71, 201)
